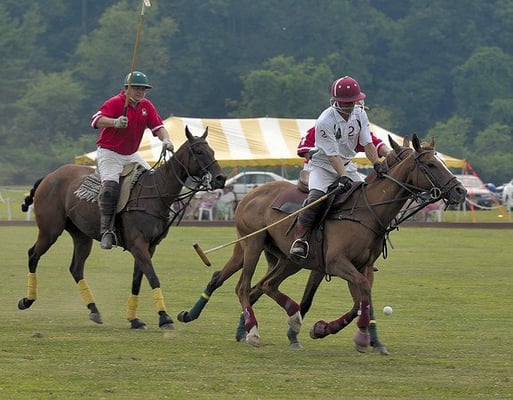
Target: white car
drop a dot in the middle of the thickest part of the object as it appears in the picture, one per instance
(246, 181)
(507, 195)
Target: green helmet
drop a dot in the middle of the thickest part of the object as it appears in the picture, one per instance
(138, 79)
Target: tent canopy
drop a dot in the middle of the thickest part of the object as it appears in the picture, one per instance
(248, 142)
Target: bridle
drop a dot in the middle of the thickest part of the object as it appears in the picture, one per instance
(192, 184)
(414, 193)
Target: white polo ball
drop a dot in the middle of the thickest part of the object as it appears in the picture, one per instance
(387, 310)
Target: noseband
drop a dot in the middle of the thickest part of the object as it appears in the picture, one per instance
(203, 168)
(202, 183)
(437, 189)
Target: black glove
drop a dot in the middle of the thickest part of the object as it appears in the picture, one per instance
(380, 168)
(344, 183)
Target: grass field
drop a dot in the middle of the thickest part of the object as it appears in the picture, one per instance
(450, 335)
(12, 197)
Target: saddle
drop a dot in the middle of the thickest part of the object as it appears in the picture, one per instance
(292, 199)
(90, 188)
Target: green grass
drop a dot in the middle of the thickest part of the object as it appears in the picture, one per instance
(10, 208)
(450, 335)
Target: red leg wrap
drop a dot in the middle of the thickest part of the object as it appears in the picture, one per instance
(289, 305)
(249, 318)
(339, 324)
(364, 320)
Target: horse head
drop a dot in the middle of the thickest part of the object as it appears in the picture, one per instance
(430, 173)
(197, 160)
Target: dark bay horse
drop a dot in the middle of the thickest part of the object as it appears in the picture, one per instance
(353, 238)
(141, 225)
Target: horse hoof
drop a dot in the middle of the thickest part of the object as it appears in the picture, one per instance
(253, 337)
(165, 321)
(296, 322)
(138, 324)
(183, 316)
(25, 303)
(361, 349)
(362, 341)
(380, 349)
(296, 346)
(96, 317)
(319, 330)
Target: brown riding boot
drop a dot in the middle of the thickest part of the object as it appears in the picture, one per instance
(300, 246)
(108, 200)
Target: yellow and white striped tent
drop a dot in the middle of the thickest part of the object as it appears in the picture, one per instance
(248, 142)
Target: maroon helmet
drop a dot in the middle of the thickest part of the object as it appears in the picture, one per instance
(346, 90)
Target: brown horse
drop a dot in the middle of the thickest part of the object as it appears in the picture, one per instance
(141, 225)
(353, 237)
(315, 278)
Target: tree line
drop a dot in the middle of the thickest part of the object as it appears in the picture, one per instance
(437, 68)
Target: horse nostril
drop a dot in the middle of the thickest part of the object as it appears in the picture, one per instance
(220, 180)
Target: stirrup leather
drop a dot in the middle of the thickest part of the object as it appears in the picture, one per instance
(300, 248)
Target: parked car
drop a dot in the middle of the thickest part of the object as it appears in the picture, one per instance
(246, 181)
(507, 195)
(477, 193)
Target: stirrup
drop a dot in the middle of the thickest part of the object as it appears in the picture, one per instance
(300, 248)
(108, 240)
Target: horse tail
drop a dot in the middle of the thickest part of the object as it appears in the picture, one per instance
(30, 198)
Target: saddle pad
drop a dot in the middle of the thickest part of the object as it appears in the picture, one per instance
(89, 190)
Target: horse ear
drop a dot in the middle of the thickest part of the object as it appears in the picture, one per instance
(416, 142)
(406, 142)
(393, 143)
(205, 134)
(188, 133)
(432, 142)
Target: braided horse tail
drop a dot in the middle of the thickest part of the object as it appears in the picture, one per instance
(30, 198)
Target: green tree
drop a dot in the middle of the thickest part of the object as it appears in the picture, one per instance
(51, 105)
(492, 155)
(285, 88)
(453, 136)
(485, 76)
(17, 49)
(105, 56)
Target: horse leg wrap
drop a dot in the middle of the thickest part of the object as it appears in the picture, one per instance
(85, 292)
(131, 308)
(289, 305)
(240, 333)
(249, 318)
(340, 323)
(158, 299)
(200, 304)
(363, 321)
(32, 286)
(373, 328)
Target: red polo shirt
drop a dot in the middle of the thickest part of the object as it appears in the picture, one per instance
(126, 141)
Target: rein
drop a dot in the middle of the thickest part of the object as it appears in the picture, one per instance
(415, 195)
(176, 210)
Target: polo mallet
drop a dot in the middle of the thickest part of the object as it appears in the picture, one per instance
(145, 3)
(203, 254)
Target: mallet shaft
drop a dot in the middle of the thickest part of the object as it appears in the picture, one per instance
(203, 254)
